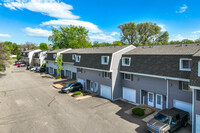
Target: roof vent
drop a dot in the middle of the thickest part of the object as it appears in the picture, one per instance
(186, 45)
(198, 44)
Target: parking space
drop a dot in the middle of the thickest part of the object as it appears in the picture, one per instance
(29, 103)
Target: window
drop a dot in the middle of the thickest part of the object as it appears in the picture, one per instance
(104, 60)
(79, 70)
(183, 85)
(199, 68)
(39, 55)
(78, 58)
(107, 75)
(198, 95)
(51, 70)
(127, 76)
(126, 61)
(54, 56)
(185, 64)
(68, 74)
(73, 57)
(46, 56)
(23, 53)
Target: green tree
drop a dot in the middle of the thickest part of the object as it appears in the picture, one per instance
(4, 56)
(116, 43)
(18, 55)
(142, 34)
(197, 41)
(59, 61)
(43, 46)
(187, 41)
(70, 37)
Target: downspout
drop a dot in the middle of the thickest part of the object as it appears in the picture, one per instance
(193, 110)
(167, 100)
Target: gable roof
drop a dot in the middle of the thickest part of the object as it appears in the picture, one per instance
(174, 49)
(56, 51)
(97, 50)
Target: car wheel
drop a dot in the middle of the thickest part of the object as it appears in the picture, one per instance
(67, 91)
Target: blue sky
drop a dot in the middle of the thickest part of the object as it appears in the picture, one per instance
(31, 20)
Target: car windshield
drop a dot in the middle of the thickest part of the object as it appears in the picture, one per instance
(68, 85)
(162, 118)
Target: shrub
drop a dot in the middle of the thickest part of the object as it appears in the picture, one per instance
(14, 58)
(85, 91)
(58, 77)
(44, 65)
(77, 93)
(138, 111)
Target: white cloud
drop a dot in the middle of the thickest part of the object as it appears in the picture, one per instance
(64, 22)
(182, 9)
(162, 26)
(5, 35)
(196, 32)
(51, 8)
(115, 33)
(0, 4)
(37, 32)
(102, 38)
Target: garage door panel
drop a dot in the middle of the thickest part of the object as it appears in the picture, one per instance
(106, 91)
(183, 106)
(129, 94)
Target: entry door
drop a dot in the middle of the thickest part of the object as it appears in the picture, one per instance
(150, 99)
(197, 123)
(159, 101)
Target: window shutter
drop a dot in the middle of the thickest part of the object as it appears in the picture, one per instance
(131, 77)
(103, 74)
(110, 75)
(198, 95)
(122, 75)
(180, 85)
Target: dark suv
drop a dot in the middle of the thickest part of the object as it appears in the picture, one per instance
(72, 87)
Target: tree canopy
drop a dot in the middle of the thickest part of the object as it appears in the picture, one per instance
(142, 34)
(70, 37)
(43, 46)
(4, 56)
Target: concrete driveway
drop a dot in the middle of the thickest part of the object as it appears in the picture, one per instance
(29, 104)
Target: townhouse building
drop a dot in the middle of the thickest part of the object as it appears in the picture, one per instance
(27, 56)
(38, 58)
(163, 77)
(51, 66)
(98, 69)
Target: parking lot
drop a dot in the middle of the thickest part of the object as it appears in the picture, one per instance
(29, 104)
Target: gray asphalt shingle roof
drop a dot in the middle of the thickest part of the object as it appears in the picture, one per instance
(96, 50)
(175, 49)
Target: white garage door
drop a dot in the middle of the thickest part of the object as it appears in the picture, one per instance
(183, 106)
(129, 94)
(106, 91)
(81, 81)
(197, 123)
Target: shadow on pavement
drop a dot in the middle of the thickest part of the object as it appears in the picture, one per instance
(126, 106)
(2, 74)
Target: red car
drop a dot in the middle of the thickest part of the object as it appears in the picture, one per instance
(18, 63)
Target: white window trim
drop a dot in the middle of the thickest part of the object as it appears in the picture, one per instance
(123, 61)
(181, 67)
(102, 61)
(199, 69)
(73, 56)
(105, 76)
(54, 56)
(126, 78)
(78, 58)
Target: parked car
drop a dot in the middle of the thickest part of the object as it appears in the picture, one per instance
(33, 68)
(18, 63)
(72, 87)
(168, 120)
(22, 65)
(42, 69)
(37, 69)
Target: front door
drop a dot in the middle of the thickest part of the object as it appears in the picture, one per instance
(73, 75)
(159, 101)
(151, 99)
